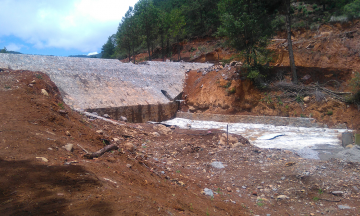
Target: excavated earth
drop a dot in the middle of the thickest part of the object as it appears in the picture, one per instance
(156, 170)
(159, 170)
(328, 57)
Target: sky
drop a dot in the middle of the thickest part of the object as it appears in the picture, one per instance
(61, 28)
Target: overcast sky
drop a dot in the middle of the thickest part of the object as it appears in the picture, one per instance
(59, 27)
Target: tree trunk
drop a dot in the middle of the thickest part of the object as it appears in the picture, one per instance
(129, 53)
(148, 47)
(152, 48)
(168, 45)
(162, 47)
(178, 47)
(291, 54)
(134, 53)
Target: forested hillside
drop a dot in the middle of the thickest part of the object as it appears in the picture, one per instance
(246, 25)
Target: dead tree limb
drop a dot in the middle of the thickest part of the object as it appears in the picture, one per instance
(83, 149)
(101, 151)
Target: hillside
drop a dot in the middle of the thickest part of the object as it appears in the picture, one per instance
(327, 57)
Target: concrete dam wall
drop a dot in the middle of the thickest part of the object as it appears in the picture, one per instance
(142, 92)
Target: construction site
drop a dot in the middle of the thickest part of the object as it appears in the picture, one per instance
(103, 137)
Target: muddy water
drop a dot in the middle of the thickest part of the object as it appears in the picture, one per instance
(315, 143)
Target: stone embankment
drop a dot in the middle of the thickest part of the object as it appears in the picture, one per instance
(271, 120)
(140, 92)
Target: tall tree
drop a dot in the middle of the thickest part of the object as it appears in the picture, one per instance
(202, 16)
(147, 15)
(108, 49)
(3, 50)
(177, 27)
(247, 25)
(290, 48)
(163, 26)
(127, 34)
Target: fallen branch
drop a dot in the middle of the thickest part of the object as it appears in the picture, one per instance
(331, 200)
(83, 149)
(101, 151)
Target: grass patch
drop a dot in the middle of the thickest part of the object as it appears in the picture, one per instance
(231, 91)
(260, 203)
(61, 105)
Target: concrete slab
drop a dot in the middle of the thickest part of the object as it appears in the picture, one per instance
(347, 138)
(357, 139)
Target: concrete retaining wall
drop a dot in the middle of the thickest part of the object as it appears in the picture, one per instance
(272, 120)
(141, 113)
(93, 84)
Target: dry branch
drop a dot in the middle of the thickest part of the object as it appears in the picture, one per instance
(101, 151)
(83, 149)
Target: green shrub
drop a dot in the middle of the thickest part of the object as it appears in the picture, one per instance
(279, 22)
(299, 99)
(232, 91)
(329, 112)
(352, 10)
(355, 87)
(202, 49)
(228, 84)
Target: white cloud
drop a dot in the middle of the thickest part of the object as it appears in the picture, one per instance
(70, 24)
(14, 47)
(93, 53)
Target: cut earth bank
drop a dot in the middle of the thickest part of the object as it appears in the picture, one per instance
(155, 171)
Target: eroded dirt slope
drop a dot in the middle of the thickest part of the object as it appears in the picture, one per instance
(326, 58)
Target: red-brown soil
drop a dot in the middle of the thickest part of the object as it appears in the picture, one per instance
(164, 174)
(328, 57)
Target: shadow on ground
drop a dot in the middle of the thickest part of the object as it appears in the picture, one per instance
(28, 188)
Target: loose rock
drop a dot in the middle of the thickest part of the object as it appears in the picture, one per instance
(281, 197)
(155, 134)
(123, 118)
(344, 207)
(68, 147)
(100, 132)
(44, 92)
(43, 159)
(217, 164)
(337, 193)
(208, 192)
(129, 146)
